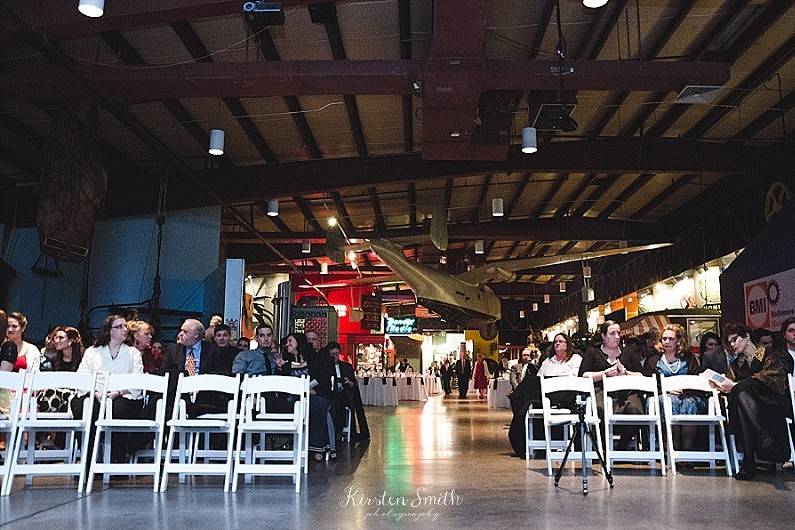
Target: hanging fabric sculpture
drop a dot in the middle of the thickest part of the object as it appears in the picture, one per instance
(73, 187)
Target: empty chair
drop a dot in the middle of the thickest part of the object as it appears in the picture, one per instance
(562, 417)
(208, 424)
(294, 424)
(106, 425)
(651, 419)
(531, 444)
(791, 392)
(713, 418)
(29, 424)
(11, 383)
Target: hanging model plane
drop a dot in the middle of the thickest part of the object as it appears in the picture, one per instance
(463, 299)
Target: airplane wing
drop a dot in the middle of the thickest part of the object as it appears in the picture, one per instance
(375, 280)
(505, 270)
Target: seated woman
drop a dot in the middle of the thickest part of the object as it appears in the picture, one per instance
(111, 354)
(319, 367)
(68, 348)
(27, 354)
(609, 360)
(8, 357)
(757, 389)
(563, 361)
(674, 358)
(139, 336)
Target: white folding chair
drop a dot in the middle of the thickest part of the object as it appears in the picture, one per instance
(791, 392)
(346, 430)
(13, 384)
(565, 418)
(207, 424)
(651, 419)
(713, 417)
(295, 424)
(29, 424)
(106, 425)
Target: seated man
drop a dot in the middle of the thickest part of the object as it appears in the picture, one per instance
(345, 394)
(519, 370)
(225, 352)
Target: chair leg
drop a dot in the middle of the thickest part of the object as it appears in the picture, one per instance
(236, 473)
(297, 462)
(547, 435)
(105, 454)
(608, 444)
(671, 455)
(158, 448)
(230, 449)
(712, 445)
(725, 449)
(527, 437)
(93, 462)
(14, 459)
(167, 464)
(661, 449)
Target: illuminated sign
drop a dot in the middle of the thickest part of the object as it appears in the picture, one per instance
(400, 326)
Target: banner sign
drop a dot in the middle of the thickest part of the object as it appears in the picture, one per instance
(769, 301)
(371, 307)
(400, 326)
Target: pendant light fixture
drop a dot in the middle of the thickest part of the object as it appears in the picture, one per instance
(479, 247)
(562, 287)
(306, 247)
(92, 8)
(546, 298)
(324, 268)
(529, 140)
(273, 208)
(535, 306)
(593, 4)
(216, 142)
(497, 207)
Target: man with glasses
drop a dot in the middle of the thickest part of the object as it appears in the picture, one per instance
(720, 359)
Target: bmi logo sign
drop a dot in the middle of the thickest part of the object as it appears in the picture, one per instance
(770, 300)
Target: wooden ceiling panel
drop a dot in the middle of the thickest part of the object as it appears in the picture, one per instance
(510, 28)
(226, 38)
(116, 134)
(382, 122)
(329, 122)
(379, 38)
(300, 39)
(277, 126)
(166, 127)
(158, 45)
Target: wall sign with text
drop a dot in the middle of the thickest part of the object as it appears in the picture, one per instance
(400, 325)
(769, 301)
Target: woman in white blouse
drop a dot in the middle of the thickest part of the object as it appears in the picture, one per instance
(110, 354)
(28, 356)
(564, 361)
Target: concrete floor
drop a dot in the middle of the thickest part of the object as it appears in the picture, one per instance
(454, 451)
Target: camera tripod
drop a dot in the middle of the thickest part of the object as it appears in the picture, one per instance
(583, 428)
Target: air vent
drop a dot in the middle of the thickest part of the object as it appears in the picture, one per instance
(699, 94)
(549, 116)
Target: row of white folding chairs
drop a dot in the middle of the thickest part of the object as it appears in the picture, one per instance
(25, 420)
(651, 418)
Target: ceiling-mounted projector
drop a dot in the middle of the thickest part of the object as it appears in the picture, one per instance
(269, 13)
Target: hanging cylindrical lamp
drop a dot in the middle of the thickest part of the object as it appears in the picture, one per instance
(593, 4)
(521, 313)
(529, 140)
(535, 306)
(91, 8)
(497, 207)
(306, 247)
(273, 208)
(586, 271)
(216, 142)
(324, 268)
(479, 247)
(443, 259)
(546, 298)
(562, 287)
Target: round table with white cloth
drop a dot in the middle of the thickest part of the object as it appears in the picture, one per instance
(378, 391)
(498, 397)
(412, 388)
(433, 385)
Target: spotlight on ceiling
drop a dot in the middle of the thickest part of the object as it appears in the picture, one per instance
(529, 142)
(594, 3)
(332, 221)
(216, 142)
(273, 208)
(91, 8)
(497, 207)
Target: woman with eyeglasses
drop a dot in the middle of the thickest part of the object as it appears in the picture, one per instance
(111, 354)
(758, 401)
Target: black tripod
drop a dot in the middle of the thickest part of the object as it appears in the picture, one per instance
(582, 428)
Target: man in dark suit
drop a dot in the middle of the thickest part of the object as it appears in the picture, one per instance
(719, 359)
(191, 355)
(463, 370)
(345, 393)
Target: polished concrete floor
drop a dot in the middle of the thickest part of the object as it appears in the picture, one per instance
(453, 454)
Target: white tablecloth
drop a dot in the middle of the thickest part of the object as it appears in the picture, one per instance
(378, 392)
(498, 398)
(412, 388)
(433, 385)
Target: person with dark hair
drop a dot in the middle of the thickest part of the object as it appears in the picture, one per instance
(674, 358)
(209, 333)
(314, 340)
(68, 351)
(710, 341)
(609, 360)
(259, 360)
(563, 361)
(225, 352)
(345, 393)
(758, 400)
(762, 337)
(8, 350)
(110, 354)
(719, 359)
(463, 370)
(243, 343)
(788, 332)
(446, 374)
(28, 356)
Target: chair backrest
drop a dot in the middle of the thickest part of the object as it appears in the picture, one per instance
(80, 382)
(275, 383)
(143, 382)
(12, 383)
(630, 382)
(208, 382)
(580, 385)
(686, 382)
(791, 380)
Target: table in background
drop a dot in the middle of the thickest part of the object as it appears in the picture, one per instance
(378, 391)
(412, 388)
(498, 398)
